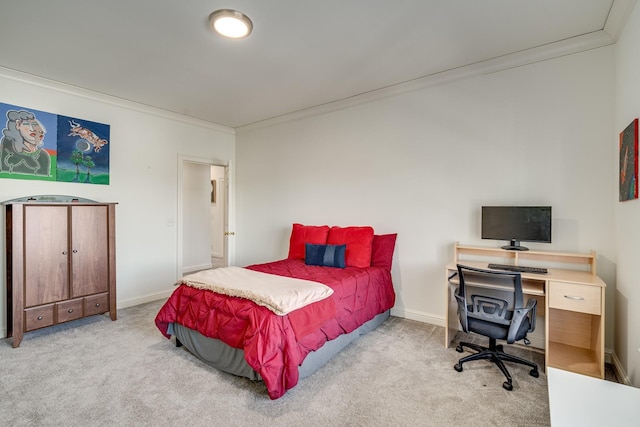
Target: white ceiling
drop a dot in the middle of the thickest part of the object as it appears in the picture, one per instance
(302, 53)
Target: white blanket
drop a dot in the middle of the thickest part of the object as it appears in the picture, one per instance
(279, 294)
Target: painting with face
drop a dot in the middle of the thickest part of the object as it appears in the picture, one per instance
(28, 143)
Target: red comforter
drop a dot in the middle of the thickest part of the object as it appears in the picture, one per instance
(274, 346)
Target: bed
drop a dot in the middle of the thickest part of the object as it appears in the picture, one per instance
(246, 337)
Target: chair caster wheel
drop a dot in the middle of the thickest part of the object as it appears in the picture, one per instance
(459, 348)
(507, 386)
(534, 373)
(457, 367)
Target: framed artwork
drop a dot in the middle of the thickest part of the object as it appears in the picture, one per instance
(628, 178)
(36, 145)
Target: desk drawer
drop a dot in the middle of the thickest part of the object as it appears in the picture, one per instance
(575, 297)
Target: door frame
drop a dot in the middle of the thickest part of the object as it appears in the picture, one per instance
(229, 247)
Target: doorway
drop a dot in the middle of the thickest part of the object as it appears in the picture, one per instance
(202, 215)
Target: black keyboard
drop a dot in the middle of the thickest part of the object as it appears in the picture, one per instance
(518, 268)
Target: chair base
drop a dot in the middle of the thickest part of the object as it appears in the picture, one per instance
(494, 353)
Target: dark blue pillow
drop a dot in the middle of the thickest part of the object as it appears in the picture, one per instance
(325, 255)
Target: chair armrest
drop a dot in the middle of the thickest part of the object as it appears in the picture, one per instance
(531, 307)
(519, 314)
(463, 314)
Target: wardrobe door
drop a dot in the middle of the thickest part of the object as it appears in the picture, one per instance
(89, 250)
(46, 254)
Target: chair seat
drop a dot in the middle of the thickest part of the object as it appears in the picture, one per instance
(496, 331)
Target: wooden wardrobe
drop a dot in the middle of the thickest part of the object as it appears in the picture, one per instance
(60, 263)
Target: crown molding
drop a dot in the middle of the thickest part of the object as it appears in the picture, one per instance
(526, 57)
(618, 16)
(42, 82)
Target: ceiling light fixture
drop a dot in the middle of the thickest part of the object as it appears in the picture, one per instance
(230, 23)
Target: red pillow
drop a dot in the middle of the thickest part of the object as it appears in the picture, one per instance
(358, 241)
(301, 234)
(382, 249)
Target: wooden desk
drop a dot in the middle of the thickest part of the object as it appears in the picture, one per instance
(570, 302)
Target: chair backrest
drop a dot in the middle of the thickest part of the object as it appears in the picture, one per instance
(503, 306)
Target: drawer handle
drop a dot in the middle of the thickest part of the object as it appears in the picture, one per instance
(97, 304)
(39, 317)
(575, 298)
(70, 310)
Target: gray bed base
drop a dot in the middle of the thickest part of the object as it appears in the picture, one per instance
(228, 359)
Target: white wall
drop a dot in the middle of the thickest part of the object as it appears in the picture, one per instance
(627, 214)
(145, 144)
(423, 163)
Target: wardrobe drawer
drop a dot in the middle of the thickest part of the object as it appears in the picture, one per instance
(575, 297)
(69, 310)
(96, 304)
(38, 317)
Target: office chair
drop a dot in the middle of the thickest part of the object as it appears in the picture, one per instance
(486, 314)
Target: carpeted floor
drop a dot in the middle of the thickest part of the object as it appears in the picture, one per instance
(94, 372)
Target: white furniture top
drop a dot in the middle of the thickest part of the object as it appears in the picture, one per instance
(580, 400)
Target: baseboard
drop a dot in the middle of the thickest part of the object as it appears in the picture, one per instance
(537, 339)
(419, 316)
(194, 268)
(617, 367)
(144, 299)
(610, 355)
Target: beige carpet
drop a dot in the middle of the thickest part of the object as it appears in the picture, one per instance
(94, 372)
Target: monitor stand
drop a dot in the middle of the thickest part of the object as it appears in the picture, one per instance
(514, 246)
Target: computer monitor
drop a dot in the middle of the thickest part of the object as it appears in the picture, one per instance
(517, 224)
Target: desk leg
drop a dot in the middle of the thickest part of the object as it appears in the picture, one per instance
(451, 316)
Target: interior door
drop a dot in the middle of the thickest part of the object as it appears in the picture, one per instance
(226, 232)
(218, 215)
